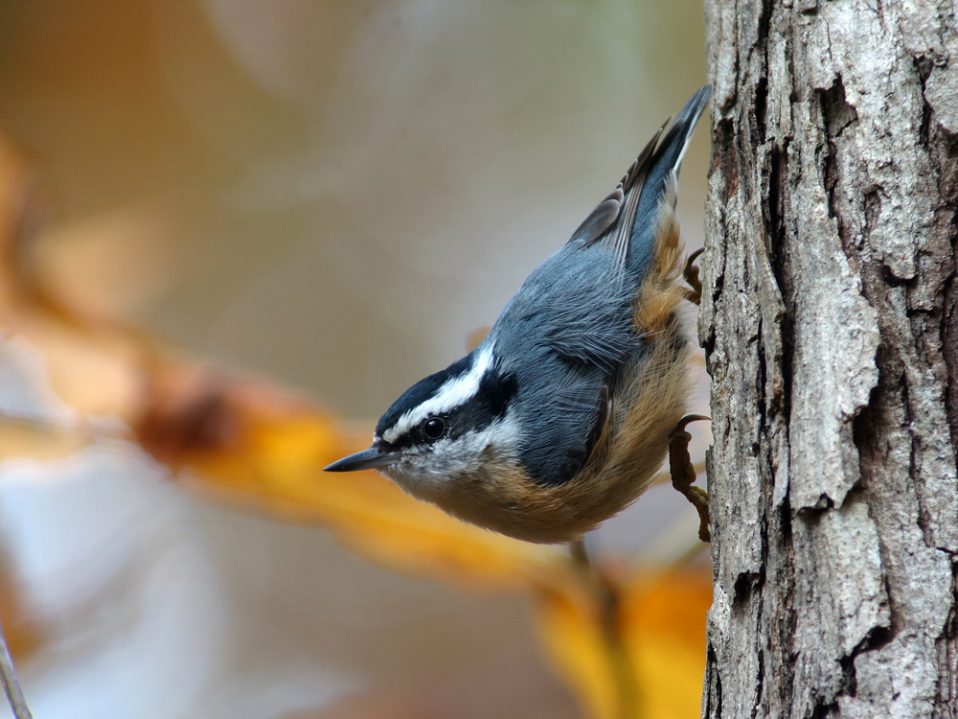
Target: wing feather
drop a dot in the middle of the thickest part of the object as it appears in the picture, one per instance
(610, 220)
(613, 220)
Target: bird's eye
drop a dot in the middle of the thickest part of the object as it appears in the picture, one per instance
(433, 427)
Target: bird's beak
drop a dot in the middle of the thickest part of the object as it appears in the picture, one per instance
(371, 458)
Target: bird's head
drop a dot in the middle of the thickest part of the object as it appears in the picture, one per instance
(446, 428)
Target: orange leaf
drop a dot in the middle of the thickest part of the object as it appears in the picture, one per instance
(39, 440)
(644, 657)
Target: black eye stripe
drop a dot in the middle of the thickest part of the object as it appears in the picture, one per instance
(489, 404)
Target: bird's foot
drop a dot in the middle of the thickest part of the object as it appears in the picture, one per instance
(683, 472)
(691, 275)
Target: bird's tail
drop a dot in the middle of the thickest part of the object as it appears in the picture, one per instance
(659, 175)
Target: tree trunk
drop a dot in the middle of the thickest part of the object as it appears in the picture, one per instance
(830, 321)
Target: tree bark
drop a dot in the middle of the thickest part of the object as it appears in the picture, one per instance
(830, 322)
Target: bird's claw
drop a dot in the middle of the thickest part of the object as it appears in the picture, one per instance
(683, 473)
(691, 275)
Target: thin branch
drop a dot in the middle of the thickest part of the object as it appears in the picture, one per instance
(11, 687)
(608, 601)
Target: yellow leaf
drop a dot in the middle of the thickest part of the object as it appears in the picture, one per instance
(38, 439)
(635, 649)
(570, 629)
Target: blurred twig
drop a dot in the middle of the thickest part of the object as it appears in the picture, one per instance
(607, 599)
(11, 686)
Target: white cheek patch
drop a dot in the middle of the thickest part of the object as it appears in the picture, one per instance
(465, 456)
(453, 393)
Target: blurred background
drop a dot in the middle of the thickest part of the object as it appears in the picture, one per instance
(331, 195)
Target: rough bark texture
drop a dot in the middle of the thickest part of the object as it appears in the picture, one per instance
(830, 322)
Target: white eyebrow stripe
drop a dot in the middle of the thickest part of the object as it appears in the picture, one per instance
(453, 393)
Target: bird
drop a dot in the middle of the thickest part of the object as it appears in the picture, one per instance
(564, 412)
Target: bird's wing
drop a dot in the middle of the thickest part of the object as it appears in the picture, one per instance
(576, 401)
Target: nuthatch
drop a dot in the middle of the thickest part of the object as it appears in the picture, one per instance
(564, 412)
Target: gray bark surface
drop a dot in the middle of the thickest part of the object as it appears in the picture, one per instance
(830, 322)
